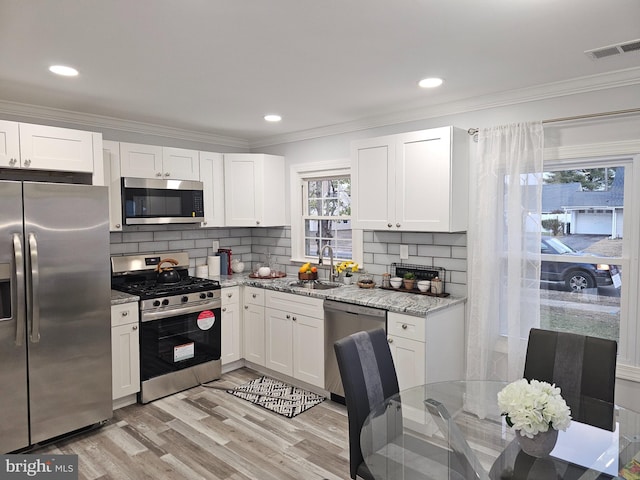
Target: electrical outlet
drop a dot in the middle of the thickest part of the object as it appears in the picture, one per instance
(216, 245)
(404, 252)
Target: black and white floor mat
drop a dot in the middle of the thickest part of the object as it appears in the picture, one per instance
(277, 396)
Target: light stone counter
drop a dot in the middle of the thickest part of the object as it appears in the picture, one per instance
(401, 302)
(118, 298)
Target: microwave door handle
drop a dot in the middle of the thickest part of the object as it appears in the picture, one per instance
(17, 288)
(32, 294)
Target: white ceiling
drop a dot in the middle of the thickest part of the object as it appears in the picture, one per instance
(217, 66)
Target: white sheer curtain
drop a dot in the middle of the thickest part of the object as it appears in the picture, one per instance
(504, 249)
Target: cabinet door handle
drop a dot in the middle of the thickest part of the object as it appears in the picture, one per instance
(224, 309)
(159, 174)
(288, 317)
(246, 307)
(27, 162)
(13, 161)
(389, 225)
(135, 327)
(295, 319)
(117, 225)
(390, 340)
(167, 174)
(229, 295)
(404, 326)
(398, 225)
(254, 295)
(257, 222)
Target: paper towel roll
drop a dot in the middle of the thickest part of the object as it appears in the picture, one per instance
(213, 262)
(202, 271)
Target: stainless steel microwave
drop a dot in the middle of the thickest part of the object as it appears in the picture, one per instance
(148, 201)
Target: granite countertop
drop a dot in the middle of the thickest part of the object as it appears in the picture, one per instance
(401, 302)
(118, 298)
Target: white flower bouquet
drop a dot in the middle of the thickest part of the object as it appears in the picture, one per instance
(533, 407)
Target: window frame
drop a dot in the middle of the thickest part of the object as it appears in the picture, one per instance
(595, 156)
(299, 175)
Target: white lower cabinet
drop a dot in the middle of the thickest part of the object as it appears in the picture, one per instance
(295, 336)
(427, 349)
(231, 346)
(125, 350)
(254, 325)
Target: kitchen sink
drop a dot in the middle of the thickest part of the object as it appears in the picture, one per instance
(315, 284)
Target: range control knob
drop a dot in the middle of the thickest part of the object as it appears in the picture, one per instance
(165, 302)
(156, 303)
(209, 294)
(203, 295)
(184, 299)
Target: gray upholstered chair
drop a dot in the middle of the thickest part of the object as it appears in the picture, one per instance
(368, 377)
(583, 367)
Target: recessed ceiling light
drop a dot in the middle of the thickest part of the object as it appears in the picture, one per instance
(272, 118)
(63, 70)
(430, 82)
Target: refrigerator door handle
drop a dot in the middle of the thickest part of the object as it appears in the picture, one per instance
(17, 288)
(33, 294)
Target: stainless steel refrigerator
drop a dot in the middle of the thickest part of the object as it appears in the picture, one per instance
(55, 328)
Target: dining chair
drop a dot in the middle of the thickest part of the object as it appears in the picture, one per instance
(368, 377)
(584, 368)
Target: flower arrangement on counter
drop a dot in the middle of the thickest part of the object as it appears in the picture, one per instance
(533, 407)
(348, 267)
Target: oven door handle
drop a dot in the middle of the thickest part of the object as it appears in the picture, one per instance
(178, 311)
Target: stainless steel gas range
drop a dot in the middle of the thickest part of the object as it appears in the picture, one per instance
(179, 322)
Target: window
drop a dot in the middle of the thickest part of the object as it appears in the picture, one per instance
(327, 216)
(585, 248)
(321, 213)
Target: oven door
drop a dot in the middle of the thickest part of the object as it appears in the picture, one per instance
(178, 338)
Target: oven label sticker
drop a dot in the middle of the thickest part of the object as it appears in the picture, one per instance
(206, 319)
(184, 352)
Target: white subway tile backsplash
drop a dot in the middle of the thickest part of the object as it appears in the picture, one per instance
(380, 249)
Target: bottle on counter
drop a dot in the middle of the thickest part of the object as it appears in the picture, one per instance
(386, 280)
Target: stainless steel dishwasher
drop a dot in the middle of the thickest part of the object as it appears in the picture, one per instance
(341, 320)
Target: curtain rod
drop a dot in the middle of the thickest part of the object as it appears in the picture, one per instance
(473, 131)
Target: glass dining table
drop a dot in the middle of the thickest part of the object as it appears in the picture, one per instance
(455, 431)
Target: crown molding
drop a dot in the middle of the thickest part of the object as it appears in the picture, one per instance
(93, 121)
(604, 81)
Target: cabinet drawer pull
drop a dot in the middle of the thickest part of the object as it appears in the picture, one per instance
(254, 295)
(229, 295)
(125, 313)
(135, 327)
(404, 326)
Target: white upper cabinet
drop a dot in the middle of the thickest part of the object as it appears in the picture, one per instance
(254, 191)
(40, 147)
(212, 178)
(9, 144)
(415, 181)
(151, 161)
(180, 163)
(111, 153)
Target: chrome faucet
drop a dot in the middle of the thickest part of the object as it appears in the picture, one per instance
(332, 273)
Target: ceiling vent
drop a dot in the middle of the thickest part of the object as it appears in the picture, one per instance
(617, 49)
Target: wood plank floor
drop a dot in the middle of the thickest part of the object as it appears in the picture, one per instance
(206, 433)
